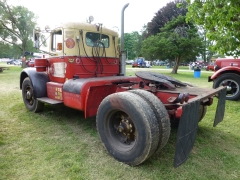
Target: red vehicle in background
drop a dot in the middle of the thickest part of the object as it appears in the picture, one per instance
(30, 63)
(210, 67)
(139, 62)
(227, 73)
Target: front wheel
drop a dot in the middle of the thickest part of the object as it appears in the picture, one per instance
(29, 100)
(127, 127)
(232, 81)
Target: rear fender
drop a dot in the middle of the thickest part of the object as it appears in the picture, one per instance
(94, 97)
(231, 69)
(39, 81)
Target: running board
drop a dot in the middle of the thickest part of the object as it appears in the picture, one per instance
(49, 101)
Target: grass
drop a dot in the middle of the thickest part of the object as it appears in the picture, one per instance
(60, 144)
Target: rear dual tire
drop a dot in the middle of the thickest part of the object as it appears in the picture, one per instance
(161, 114)
(133, 125)
(127, 127)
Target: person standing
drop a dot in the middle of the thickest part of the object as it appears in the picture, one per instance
(23, 62)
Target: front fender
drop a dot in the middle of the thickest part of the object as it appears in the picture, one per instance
(38, 79)
(224, 70)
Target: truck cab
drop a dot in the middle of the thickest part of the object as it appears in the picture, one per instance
(81, 50)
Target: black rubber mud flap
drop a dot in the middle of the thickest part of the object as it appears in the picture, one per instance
(187, 132)
(220, 107)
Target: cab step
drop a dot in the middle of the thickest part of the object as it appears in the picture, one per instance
(49, 101)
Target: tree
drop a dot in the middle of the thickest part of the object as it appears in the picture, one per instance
(177, 40)
(166, 14)
(16, 26)
(129, 39)
(5, 50)
(133, 44)
(221, 19)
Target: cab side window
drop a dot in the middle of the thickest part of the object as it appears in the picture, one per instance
(57, 41)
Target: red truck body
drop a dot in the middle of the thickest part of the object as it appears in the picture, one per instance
(86, 71)
(223, 62)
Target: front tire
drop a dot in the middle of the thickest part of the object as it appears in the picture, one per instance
(29, 100)
(127, 127)
(233, 85)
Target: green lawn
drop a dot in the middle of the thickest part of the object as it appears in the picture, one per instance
(60, 144)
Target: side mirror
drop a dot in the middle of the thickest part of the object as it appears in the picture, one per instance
(36, 38)
(59, 46)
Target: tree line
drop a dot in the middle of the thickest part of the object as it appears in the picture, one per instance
(183, 30)
(180, 31)
(16, 29)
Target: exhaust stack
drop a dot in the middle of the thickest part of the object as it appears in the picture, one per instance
(123, 54)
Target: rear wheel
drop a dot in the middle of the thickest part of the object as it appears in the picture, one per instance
(202, 112)
(127, 127)
(29, 100)
(160, 113)
(201, 115)
(232, 81)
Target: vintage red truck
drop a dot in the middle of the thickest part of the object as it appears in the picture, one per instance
(227, 72)
(85, 70)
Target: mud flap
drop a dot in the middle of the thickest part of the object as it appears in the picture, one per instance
(220, 107)
(187, 132)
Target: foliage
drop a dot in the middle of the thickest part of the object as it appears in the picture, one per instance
(16, 26)
(133, 44)
(177, 40)
(164, 15)
(221, 19)
(9, 51)
(129, 40)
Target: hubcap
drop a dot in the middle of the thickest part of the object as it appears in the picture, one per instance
(125, 127)
(124, 130)
(29, 95)
(232, 87)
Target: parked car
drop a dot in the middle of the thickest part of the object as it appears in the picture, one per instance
(159, 63)
(11, 61)
(148, 64)
(30, 63)
(139, 62)
(210, 67)
(17, 62)
(129, 62)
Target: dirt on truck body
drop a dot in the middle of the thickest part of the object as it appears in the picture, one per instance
(85, 70)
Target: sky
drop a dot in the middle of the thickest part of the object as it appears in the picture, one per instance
(108, 12)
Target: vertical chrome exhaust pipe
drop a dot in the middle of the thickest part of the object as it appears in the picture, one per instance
(123, 54)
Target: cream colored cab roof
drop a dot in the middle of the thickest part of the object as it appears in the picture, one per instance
(86, 27)
(74, 28)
